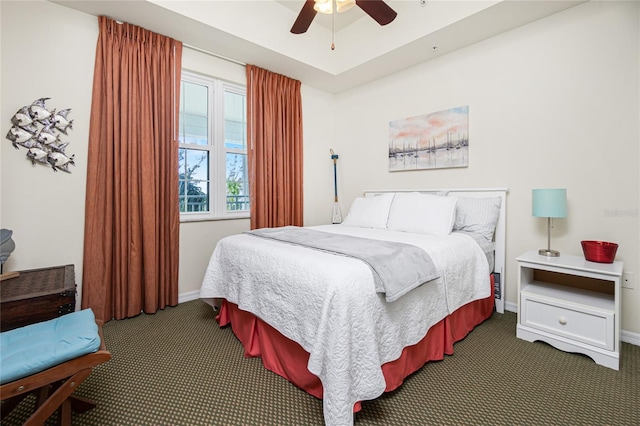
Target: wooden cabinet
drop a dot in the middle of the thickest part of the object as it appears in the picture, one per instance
(572, 304)
(37, 295)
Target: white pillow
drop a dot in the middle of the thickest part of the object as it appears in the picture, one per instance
(422, 213)
(369, 212)
(478, 215)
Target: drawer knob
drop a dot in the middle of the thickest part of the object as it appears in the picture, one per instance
(562, 320)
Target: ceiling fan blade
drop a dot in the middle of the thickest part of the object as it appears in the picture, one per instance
(305, 17)
(378, 10)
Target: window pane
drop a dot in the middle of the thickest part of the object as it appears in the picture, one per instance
(197, 200)
(197, 167)
(235, 126)
(194, 106)
(193, 178)
(237, 182)
(212, 142)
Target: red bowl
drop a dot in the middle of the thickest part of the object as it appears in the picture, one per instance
(599, 251)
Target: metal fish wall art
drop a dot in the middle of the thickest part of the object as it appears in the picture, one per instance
(22, 117)
(18, 135)
(37, 154)
(39, 130)
(61, 122)
(60, 161)
(48, 135)
(39, 111)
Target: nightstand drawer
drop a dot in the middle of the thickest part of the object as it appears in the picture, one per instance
(589, 325)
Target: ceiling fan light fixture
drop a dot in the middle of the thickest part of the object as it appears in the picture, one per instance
(344, 5)
(326, 6)
(378, 10)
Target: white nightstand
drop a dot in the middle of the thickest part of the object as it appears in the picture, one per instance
(572, 304)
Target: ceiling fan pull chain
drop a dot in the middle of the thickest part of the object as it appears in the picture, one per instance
(333, 21)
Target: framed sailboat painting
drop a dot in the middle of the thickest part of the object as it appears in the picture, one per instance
(433, 141)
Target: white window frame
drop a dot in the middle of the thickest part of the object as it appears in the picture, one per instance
(217, 151)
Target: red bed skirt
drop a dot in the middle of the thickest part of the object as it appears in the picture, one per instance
(289, 360)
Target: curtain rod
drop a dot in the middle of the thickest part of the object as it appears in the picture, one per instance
(206, 52)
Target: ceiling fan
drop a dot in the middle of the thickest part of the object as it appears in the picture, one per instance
(376, 9)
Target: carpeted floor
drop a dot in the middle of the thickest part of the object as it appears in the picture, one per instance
(178, 367)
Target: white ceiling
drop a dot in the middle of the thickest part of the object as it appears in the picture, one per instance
(257, 32)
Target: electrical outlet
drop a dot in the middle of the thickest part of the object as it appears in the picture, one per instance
(627, 280)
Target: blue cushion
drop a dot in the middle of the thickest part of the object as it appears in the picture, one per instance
(33, 348)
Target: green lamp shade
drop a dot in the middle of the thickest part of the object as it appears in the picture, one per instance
(550, 202)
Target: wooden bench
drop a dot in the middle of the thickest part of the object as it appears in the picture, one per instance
(54, 387)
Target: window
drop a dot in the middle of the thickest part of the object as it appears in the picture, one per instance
(212, 156)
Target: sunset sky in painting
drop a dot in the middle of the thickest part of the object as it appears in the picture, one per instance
(424, 128)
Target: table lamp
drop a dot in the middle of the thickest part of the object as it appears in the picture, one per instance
(6, 246)
(549, 203)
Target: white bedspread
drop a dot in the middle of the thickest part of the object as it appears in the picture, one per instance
(328, 304)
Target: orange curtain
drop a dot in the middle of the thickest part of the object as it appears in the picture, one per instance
(131, 213)
(274, 135)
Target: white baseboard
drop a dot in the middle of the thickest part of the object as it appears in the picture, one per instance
(625, 336)
(511, 307)
(189, 296)
(629, 337)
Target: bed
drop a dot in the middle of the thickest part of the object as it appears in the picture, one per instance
(334, 324)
